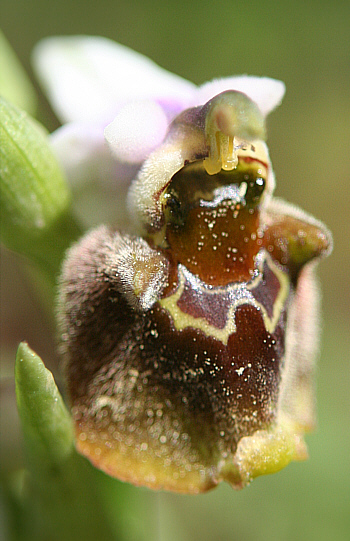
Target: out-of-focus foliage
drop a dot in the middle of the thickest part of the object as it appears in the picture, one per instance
(15, 85)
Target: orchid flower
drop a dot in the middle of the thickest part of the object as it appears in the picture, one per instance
(189, 341)
(115, 106)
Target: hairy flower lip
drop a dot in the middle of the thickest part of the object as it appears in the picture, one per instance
(149, 453)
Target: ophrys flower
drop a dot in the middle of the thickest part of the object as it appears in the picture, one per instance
(189, 344)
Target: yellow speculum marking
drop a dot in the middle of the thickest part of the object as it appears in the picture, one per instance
(182, 320)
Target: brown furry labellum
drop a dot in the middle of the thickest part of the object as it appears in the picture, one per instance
(189, 347)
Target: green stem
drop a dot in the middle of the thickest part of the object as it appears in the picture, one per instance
(52, 245)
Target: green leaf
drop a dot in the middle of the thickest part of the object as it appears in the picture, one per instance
(62, 495)
(15, 84)
(35, 199)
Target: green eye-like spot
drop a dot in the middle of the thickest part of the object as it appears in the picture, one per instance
(173, 208)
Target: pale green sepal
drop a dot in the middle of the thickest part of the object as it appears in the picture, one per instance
(15, 85)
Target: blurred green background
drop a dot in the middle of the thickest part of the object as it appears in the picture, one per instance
(307, 45)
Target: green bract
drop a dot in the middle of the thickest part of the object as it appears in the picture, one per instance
(35, 198)
(59, 494)
(46, 422)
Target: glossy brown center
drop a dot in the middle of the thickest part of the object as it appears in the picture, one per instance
(212, 222)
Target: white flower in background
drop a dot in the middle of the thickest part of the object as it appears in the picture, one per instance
(115, 106)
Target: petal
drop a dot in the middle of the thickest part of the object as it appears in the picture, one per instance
(136, 131)
(82, 152)
(99, 182)
(266, 92)
(90, 78)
